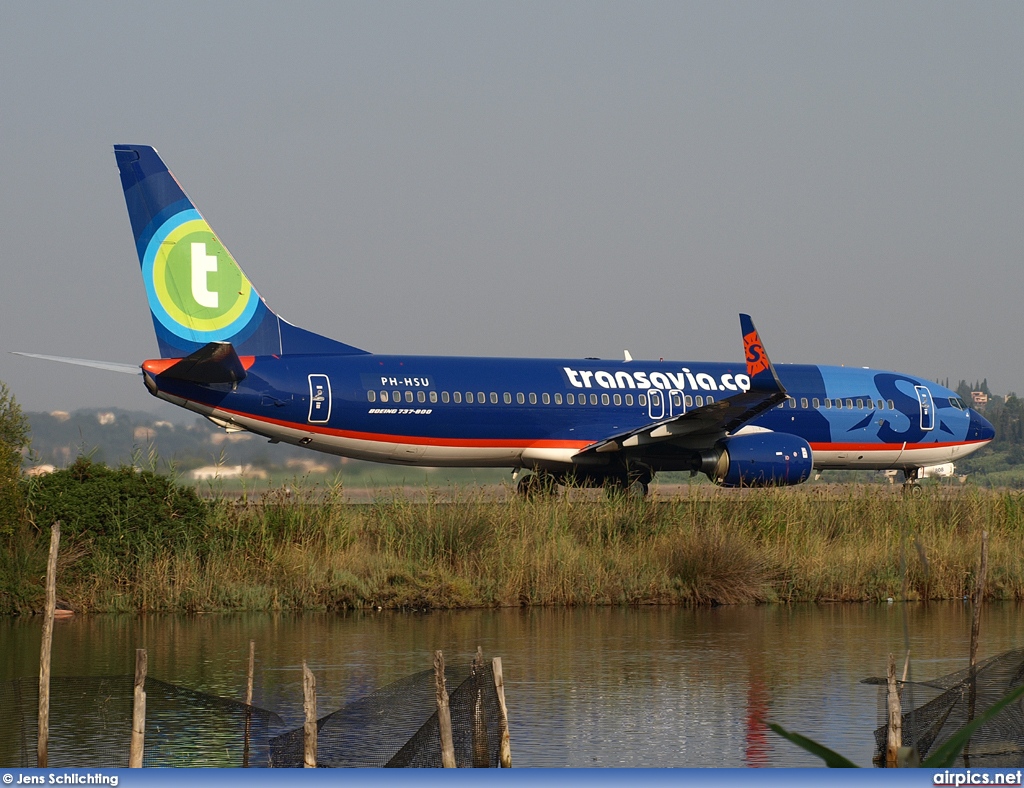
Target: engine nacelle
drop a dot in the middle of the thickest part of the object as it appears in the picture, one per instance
(760, 459)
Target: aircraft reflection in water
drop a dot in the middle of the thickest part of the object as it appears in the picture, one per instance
(226, 355)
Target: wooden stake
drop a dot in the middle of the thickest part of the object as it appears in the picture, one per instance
(894, 740)
(505, 748)
(248, 705)
(481, 750)
(979, 595)
(139, 710)
(444, 717)
(43, 746)
(309, 704)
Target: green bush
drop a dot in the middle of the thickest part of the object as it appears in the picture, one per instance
(119, 512)
(13, 438)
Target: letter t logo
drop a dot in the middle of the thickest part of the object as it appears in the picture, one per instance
(202, 265)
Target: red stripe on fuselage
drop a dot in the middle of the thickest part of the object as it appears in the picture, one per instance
(416, 440)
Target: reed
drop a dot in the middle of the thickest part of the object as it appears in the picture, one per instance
(309, 549)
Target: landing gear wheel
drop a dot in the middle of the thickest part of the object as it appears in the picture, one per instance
(910, 485)
(537, 484)
(634, 485)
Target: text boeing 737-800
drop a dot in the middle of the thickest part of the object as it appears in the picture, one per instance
(226, 355)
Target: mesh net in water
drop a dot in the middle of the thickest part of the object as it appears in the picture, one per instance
(90, 724)
(397, 726)
(951, 702)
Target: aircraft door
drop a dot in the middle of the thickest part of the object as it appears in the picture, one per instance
(655, 404)
(924, 396)
(319, 399)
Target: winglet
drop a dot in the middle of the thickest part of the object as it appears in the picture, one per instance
(759, 367)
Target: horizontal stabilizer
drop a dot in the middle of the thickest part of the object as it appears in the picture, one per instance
(107, 366)
(216, 362)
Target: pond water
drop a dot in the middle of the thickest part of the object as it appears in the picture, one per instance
(650, 686)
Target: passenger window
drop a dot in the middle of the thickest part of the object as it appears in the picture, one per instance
(433, 396)
(533, 398)
(593, 399)
(709, 400)
(641, 400)
(469, 397)
(457, 397)
(480, 397)
(828, 404)
(396, 396)
(546, 399)
(617, 399)
(571, 398)
(371, 395)
(699, 400)
(849, 404)
(604, 399)
(860, 404)
(520, 398)
(881, 404)
(816, 402)
(383, 396)
(444, 397)
(421, 396)
(408, 396)
(494, 397)
(558, 399)
(629, 400)
(677, 399)
(507, 397)
(792, 402)
(689, 401)
(891, 404)
(803, 403)
(839, 404)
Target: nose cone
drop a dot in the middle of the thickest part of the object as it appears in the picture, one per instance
(979, 428)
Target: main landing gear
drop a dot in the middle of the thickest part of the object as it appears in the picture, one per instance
(535, 485)
(633, 484)
(910, 481)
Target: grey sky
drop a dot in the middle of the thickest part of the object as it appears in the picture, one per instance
(552, 179)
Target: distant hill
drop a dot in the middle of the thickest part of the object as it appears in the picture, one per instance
(187, 443)
(116, 437)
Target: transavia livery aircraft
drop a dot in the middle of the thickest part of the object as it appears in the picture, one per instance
(226, 355)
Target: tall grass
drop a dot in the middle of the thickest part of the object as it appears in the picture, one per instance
(312, 550)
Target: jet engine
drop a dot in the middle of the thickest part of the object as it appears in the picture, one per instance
(761, 459)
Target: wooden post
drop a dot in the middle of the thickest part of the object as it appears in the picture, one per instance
(504, 749)
(979, 595)
(248, 705)
(139, 710)
(444, 717)
(481, 750)
(894, 740)
(43, 745)
(309, 704)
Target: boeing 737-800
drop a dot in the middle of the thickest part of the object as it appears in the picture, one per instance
(225, 354)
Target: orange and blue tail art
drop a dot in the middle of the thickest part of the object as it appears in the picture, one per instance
(197, 292)
(759, 367)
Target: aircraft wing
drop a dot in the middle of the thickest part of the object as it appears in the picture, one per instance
(108, 366)
(717, 419)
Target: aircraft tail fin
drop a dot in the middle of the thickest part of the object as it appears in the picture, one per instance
(759, 367)
(197, 293)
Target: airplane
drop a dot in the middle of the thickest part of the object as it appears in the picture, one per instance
(225, 354)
